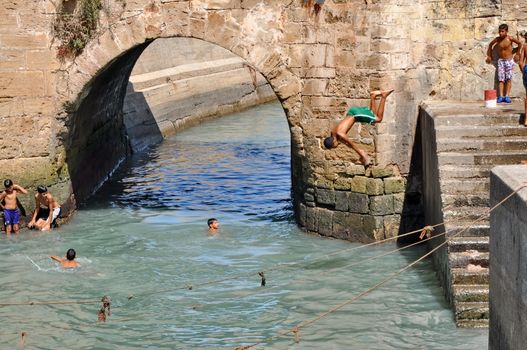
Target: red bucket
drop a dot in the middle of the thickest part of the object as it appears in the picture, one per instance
(490, 98)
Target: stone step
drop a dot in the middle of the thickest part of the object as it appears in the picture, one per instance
(185, 71)
(462, 228)
(474, 199)
(445, 133)
(482, 323)
(462, 244)
(463, 186)
(463, 259)
(472, 314)
(470, 275)
(449, 171)
(477, 119)
(470, 293)
(482, 158)
(490, 143)
(465, 213)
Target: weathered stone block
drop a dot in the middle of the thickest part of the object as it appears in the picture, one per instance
(315, 86)
(41, 60)
(311, 219)
(398, 202)
(325, 196)
(347, 226)
(341, 200)
(373, 227)
(324, 183)
(343, 183)
(374, 186)
(24, 40)
(384, 171)
(308, 197)
(391, 225)
(358, 202)
(381, 205)
(394, 185)
(301, 215)
(356, 169)
(325, 221)
(21, 84)
(12, 59)
(358, 184)
(320, 72)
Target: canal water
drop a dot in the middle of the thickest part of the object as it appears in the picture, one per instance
(143, 241)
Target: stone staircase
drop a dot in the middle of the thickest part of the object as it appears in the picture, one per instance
(468, 146)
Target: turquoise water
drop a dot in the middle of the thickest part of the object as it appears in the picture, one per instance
(144, 235)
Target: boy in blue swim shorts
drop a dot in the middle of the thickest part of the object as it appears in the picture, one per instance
(9, 205)
(371, 115)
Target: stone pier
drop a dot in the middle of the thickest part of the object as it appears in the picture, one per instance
(508, 266)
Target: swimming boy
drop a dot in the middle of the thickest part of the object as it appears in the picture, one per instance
(69, 261)
(523, 68)
(47, 209)
(370, 115)
(503, 43)
(10, 208)
(213, 225)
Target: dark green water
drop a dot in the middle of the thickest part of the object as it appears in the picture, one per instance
(145, 235)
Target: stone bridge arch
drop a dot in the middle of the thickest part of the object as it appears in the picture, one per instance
(94, 140)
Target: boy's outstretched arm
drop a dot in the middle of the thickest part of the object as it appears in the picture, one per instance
(20, 188)
(489, 50)
(56, 258)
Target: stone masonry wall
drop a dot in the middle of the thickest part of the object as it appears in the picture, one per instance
(508, 247)
(318, 67)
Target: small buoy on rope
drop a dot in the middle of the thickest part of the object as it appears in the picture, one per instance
(105, 311)
(22, 339)
(427, 230)
(261, 274)
(296, 333)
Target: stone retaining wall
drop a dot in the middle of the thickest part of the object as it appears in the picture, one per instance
(508, 265)
(165, 95)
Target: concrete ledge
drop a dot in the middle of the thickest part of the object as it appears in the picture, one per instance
(508, 266)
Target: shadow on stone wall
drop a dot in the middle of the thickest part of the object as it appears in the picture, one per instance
(141, 126)
(97, 141)
(413, 216)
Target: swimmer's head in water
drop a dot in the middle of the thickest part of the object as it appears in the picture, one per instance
(8, 183)
(70, 254)
(42, 189)
(213, 223)
(329, 142)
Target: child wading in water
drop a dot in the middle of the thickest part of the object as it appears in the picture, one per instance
(503, 43)
(69, 261)
(370, 115)
(10, 208)
(213, 225)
